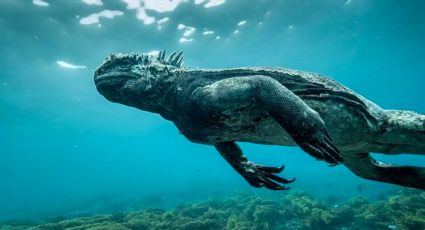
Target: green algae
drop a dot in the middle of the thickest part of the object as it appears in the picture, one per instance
(293, 210)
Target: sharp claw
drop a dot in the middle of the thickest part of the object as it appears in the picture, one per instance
(339, 158)
(279, 179)
(256, 184)
(335, 152)
(264, 176)
(327, 157)
(334, 156)
(334, 149)
(269, 169)
(328, 154)
(331, 160)
(313, 151)
(330, 146)
(272, 185)
(327, 134)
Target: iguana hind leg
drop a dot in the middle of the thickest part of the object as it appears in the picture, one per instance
(365, 166)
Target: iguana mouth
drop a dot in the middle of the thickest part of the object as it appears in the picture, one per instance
(99, 79)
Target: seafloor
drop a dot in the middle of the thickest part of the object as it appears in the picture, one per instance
(404, 209)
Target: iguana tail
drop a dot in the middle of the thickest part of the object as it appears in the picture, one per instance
(403, 132)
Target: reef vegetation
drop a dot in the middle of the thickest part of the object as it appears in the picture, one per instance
(404, 209)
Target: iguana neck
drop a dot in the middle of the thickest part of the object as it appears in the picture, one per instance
(168, 95)
(162, 96)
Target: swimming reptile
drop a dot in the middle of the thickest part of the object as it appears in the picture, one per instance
(267, 106)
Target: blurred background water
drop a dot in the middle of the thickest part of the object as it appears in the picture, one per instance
(65, 149)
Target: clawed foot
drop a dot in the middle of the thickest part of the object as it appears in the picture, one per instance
(320, 146)
(259, 176)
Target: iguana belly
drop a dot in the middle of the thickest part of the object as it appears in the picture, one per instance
(349, 118)
(250, 124)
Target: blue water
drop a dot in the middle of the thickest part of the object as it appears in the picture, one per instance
(64, 149)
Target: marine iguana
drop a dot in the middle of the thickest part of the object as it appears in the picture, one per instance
(274, 106)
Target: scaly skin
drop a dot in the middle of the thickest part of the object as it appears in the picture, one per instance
(267, 106)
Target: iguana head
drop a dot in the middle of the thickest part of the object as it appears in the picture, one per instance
(136, 80)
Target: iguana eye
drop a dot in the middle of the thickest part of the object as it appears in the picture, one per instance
(125, 64)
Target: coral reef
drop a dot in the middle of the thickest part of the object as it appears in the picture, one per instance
(294, 210)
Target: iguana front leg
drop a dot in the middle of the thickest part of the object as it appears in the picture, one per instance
(304, 124)
(256, 175)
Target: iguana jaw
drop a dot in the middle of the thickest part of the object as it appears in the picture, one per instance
(114, 85)
(102, 79)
